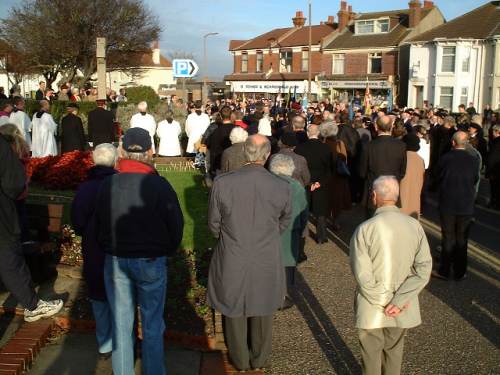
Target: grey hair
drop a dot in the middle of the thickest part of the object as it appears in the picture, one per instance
(142, 106)
(282, 164)
(461, 139)
(328, 129)
(255, 150)
(144, 157)
(330, 117)
(298, 122)
(105, 154)
(387, 188)
(238, 135)
(450, 120)
(496, 128)
(313, 131)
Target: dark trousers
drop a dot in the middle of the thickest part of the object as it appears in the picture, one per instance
(16, 275)
(253, 351)
(321, 229)
(290, 278)
(495, 193)
(455, 233)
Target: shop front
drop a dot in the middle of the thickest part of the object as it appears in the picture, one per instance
(268, 89)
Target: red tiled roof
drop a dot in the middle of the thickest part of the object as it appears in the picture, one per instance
(300, 37)
(480, 23)
(233, 44)
(263, 40)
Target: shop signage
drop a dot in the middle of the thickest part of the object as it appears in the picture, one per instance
(299, 87)
(355, 84)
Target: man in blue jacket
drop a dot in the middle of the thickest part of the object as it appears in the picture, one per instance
(139, 223)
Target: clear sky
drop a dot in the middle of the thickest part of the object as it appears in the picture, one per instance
(184, 22)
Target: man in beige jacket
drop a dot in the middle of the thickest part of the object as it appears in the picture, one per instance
(391, 262)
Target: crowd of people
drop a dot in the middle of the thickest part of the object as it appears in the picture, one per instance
(270, 166)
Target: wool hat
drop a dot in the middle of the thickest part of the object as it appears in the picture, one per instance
(412, 142)
(137, 140)
(289, 139)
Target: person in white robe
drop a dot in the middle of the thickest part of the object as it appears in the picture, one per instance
(169, 131)
(44, 131)
(145, 121)
(19, 118)
(196, 124)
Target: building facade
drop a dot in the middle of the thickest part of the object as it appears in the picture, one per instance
(365, 51)
(457, 62)
(278, 61)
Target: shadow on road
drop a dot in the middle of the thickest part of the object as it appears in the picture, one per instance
(333, 346)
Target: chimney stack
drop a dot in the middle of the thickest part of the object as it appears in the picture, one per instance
(428, 4)
(415, 13)
(156, 52)
(299, 20)
(343, 15)
(330, 21)
(351, 13)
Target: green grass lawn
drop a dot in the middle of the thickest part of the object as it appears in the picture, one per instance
(193, 198)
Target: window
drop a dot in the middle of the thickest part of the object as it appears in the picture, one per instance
(375, 63)
(466, 60)
(244, 62)
(286, 61)
(446, 98)
(463, 95)
(448, 60)
(383, 26)
(259, 67)
(365, 27)
(372, 26)
(338, 64)
(305, 60)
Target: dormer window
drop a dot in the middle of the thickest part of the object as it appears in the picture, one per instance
(372, 26)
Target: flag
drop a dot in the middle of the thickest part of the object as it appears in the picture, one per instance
(367, 101)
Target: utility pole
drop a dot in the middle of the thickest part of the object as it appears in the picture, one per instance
(101, 68)
(309, 52)
(205, 67)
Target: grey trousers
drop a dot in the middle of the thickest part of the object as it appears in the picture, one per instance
(382, 350)
(249, 352)
(16, 275)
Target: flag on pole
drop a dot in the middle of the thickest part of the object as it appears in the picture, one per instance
(367, 101)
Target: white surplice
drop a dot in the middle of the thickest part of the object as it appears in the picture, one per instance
(146, 122)
(44, 131)
(195, 127)
(23, 123)
(169, 138)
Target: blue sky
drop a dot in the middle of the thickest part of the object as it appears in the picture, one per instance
(184, 22)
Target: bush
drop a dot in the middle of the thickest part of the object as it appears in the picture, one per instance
(143, 93)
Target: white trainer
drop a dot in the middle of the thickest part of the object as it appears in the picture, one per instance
(44, 309)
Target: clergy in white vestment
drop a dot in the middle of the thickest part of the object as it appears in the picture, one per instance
(19, 118)
(196, 124)
(169, 131)
(44, 131)
(145, 121)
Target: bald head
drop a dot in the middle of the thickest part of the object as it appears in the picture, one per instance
(385, 191)
(460, 140)
(384, 124)
(257, 149)
(44, 104)
(313, 131)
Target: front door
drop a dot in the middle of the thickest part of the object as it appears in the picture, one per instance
(419, 96)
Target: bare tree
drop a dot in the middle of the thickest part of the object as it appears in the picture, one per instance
(56, 36)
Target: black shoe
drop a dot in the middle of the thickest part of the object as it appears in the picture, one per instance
(287, 303)
(437, 275)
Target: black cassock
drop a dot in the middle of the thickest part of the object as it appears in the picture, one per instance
(73, 137)
(101, 126)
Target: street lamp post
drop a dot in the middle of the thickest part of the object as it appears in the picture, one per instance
(309, 53)
(205, 66)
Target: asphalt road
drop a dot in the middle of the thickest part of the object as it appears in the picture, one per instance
(460, 333)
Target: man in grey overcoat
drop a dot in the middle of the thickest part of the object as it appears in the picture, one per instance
(391, 262)
(249, 210)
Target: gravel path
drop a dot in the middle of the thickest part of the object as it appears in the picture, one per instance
(460, 332)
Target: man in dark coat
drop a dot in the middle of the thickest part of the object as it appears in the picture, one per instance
(40, 93)
(101, 125)
(249, 210)
(287, 146)
(493, 167)
(219, 140)
(72, 134)
(319, 161)
(383, 156)
(458, 175)
(82, 217)
(14, 272)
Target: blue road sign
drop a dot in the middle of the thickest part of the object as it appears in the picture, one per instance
(184, 68)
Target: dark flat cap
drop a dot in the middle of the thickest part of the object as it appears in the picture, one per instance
(137, 140)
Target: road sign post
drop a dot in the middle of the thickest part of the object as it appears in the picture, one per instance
(184, 68)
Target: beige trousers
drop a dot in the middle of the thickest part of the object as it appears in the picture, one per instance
(382, 350)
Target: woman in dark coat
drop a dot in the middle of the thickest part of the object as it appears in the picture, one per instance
(82, 217)
(339, 192)
(72, 137)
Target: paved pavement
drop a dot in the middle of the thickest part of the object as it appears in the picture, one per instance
(460, 332)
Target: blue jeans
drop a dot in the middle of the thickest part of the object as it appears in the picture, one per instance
(130, 282)
(103, 325)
